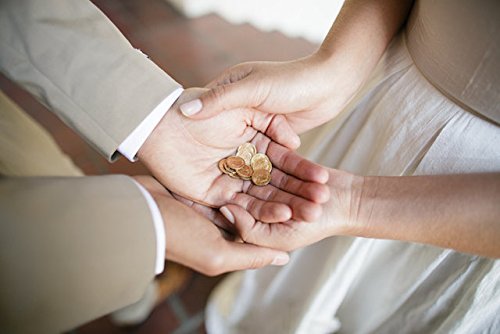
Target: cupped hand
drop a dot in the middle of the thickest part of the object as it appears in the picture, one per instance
(196, 243)
(306, 91)
(183, 153)
(338, 218)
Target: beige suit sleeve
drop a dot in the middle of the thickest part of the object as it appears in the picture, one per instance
(69, 55)
(61, 268)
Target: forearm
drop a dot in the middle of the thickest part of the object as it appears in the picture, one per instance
(85, 239)
(70, 56)
(359, 37)
(461, 212)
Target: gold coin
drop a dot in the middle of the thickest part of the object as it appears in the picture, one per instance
(222, 165)
(234, 175)
(261, 161)
(247, 147)
(235, 162)
(261, 177)
(245, 172)
(245, 155)
(227, 170)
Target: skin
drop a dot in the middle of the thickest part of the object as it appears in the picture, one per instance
(459, 212)
(183, 154)
(450, 211)
(194, 241)
(312, 90)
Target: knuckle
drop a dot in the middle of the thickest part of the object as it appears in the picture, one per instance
(244, 235)
(214, 265)
(217, 93)
(283, 181)
(257, 262)
(253, 207)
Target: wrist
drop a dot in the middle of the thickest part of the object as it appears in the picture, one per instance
(363, 213)
(339, 74)
(157, 142)
(342, 211)
(361, 192)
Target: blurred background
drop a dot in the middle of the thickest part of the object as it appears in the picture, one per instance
(292, 17)
(192, 40)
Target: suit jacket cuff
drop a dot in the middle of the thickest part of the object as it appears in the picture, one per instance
(131, 145)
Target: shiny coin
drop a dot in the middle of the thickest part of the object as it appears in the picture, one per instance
(261, 161)
(245, 155)
(235, 162)
(245, 172)
(261, 177)
(247, 147)
(247, 164)
(227, 170)
(234, 175)
(222, 166)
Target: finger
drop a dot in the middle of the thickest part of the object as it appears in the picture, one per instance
(293, 164)
(210, 213)
(215, 217)
(274, 127)
(241, 256)
(241, 94)
(257, 233)
(231, 75)
(316, 192)
(301, 209)
(269, 212)
(281, 132)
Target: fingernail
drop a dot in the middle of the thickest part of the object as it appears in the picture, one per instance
(226, 213)
(280, 260)
(192, 107)
(297, 141)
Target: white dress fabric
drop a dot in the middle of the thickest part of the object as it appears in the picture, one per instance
(400, 124)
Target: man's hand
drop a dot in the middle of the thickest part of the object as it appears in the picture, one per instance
(183, 155)
(194, 241)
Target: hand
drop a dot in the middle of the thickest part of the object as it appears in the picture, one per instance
(307, 91)
(183, 155)
(337, 218)
(314, 89)
(194, 242)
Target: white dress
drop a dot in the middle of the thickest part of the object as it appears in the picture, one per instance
(400, 124)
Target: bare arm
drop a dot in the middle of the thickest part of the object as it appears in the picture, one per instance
(314, 89)
(359, 37)
(460, 212)
(451, 211)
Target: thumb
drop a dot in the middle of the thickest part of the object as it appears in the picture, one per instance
(220, 98)
(247, 256)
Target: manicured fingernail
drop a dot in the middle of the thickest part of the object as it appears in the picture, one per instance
(192, 107)
(280, 260)
(297, 141)
(226, 213)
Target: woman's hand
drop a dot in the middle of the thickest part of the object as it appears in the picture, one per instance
(458, 211)
(339, 217)
(305, 91)
(314, 89)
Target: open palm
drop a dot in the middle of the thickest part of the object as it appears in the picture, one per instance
(183, 154)
(290, 235)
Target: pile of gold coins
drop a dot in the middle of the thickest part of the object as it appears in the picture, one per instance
(248, 165)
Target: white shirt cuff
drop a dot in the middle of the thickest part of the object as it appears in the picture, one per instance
(159, 229)
(131, 145)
